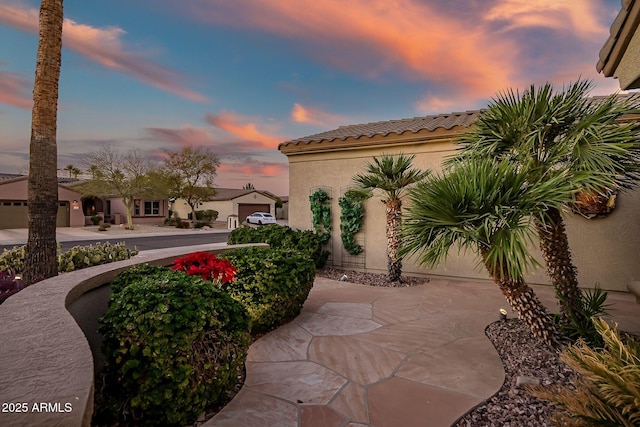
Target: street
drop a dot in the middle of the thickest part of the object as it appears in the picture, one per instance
(149, 242)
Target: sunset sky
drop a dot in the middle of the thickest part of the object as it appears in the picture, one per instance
(241, 76)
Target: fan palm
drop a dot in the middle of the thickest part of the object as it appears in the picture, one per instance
(391, 174)
(544, 130)
(486, 207)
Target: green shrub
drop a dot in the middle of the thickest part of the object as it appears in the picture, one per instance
(75, 258)
(321, 214)
(95, 220)
(579, 324)
(13, 259)
(282, 237)
(80, 257)
(272, 284)
(207, 215)
(173, 344)
(607, 391)
(134, 274)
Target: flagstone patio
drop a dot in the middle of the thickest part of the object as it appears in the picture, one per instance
(384, 357)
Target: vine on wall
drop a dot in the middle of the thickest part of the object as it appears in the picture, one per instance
(321, 211)
(352, 218)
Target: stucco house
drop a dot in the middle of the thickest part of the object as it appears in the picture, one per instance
(620, 55)
(74, 210)
(13, 203)
(231, 201)
(604, 249)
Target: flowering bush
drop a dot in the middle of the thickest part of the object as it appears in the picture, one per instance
(9, 284)
(207, 266)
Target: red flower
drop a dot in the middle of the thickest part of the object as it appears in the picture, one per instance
(207, 266)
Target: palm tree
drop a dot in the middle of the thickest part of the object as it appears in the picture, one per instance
(544, 130)
(73, 171)
(392, 175)
(486, 207)
(42, 190)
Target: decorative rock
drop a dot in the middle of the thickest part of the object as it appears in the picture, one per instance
(524, 381)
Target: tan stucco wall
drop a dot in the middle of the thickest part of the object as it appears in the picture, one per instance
(17, 190)
(117, 206)
(225, 207)
(605, 250)
(628, 70)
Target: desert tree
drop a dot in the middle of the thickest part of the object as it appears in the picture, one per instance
(190, 175)
(128, 176)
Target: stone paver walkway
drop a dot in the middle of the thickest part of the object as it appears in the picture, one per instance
(384, 357)
(369, 356)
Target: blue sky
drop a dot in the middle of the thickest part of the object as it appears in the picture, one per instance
(239, 77)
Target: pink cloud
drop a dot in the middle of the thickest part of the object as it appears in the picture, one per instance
(243, 128)
(265, 169)
(470, 53)
(315, 116)
(576, 17)
(103, 46)
(186, 135)
(373, 37)
(14, 90)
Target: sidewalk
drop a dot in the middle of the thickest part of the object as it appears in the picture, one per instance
(18, 236)
(384, 357)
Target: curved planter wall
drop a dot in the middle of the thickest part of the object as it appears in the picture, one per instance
(46, 362)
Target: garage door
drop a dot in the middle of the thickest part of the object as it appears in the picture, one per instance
(246, 209)
(15, 214)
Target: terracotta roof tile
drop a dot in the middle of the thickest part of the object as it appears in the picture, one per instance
(416, 124)
(615, 32)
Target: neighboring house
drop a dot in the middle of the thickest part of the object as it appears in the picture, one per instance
(74, 210)
(620, 55)
(604, 249)
(283, 212)
(13, 203)
(231, 201)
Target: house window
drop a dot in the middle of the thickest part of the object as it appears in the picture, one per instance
(152, 207)
(136, 207)
(107, 210)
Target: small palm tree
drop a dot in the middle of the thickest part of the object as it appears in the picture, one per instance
(486, 207)
(544, 130)
(392, 175)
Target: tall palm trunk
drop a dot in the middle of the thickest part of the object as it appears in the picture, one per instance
(557, 256)
(525, 303)
(42, 190)
(394, 222)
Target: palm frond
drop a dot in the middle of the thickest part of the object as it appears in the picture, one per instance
(390, 173)
(481, 205)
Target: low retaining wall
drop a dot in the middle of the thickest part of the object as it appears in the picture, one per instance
(46, 362)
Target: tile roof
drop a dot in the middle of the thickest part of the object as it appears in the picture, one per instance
(233, 193)
(608, 58)
(384, 128)
(16, 176)
(8, 176)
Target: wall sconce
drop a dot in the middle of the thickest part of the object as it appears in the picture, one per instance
(75, 205)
